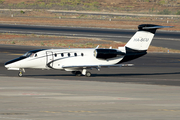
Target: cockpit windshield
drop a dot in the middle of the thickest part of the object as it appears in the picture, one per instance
(31, 53)
(27, 54)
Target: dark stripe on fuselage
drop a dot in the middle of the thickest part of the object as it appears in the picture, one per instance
(48, 64)
(23, 57)
(132, 54)
(15, 60)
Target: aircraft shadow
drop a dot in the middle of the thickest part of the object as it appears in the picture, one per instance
(140, 78)
(135, 74)
(105, 75)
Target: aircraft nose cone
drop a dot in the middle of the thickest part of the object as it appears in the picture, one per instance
(7, 64)
(12, 63)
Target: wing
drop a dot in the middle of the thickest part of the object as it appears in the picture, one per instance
(96, 66)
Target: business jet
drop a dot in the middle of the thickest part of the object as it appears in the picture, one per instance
(80, 61)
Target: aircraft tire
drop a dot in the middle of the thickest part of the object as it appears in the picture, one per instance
(88, 74)
(20, 74)
(74, 72)
(78, 73)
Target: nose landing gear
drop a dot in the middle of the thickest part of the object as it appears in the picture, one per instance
(20, 74)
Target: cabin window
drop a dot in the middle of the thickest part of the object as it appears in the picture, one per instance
(55, 55)
(82, 54)
(35, 55)
(75, 54)
(69, 54)
(62, 55)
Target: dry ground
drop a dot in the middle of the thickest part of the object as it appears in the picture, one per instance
(123, 24)
(42, 17)
(64, 42)
(133, 6)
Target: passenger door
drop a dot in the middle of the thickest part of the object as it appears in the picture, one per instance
(49, 59)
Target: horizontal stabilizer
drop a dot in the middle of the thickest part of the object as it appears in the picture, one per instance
(151, 26)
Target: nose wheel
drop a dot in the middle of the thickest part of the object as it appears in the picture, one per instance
(20, 74)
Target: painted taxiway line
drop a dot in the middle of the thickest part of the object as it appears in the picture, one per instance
(16, 54)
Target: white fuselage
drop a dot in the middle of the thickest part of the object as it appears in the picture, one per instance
(59, 58)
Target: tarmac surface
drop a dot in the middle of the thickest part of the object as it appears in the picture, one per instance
(148, 91)
(58, 99)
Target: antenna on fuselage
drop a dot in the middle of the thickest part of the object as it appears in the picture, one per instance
(97, 47)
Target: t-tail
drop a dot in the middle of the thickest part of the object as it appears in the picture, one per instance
(138, 45)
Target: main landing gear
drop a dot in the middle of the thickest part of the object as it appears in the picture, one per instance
(76, 73)
(84, 72)
(88, 74)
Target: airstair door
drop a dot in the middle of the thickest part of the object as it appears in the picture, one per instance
(49, 59)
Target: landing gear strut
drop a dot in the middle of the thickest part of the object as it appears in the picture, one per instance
(86, 73)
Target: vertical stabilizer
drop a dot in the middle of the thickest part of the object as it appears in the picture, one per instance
(143, 37)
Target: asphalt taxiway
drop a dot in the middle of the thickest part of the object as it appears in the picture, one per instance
(149, 90)
(26, 98)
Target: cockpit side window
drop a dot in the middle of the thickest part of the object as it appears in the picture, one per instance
(32, 55)
(32, 52)
(29, 54)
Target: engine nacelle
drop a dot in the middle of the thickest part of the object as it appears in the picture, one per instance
(107, 53)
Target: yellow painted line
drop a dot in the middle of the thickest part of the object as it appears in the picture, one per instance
(81, 111)
(16, 54)
(4, 52)
(49, 112)
(69, 111)
(169, 110)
